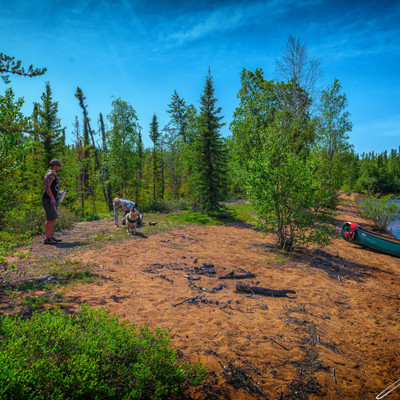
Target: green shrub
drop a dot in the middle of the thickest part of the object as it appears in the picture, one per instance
(88, 356)
(9, 241)
(381, 210)
(25, 220)
(30, 221)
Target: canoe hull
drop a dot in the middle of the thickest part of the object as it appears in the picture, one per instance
(375, 241)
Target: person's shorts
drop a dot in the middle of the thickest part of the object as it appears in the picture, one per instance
(51, 211)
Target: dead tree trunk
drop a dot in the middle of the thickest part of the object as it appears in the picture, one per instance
(104, 172)
(260, 290)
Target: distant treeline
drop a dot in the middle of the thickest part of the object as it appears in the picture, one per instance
(373, 172)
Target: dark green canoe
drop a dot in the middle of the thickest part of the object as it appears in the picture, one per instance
(385, 244)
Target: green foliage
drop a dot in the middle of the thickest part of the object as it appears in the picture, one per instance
(332, 138)
(122, 140)
(177, 140)
(8, 65)
(272, 141)
(90, 355)
(13, 148)
(381, 210)
(30, 221)
(378, 173)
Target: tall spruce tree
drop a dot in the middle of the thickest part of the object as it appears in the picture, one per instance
(50, 132)
(140, 163)
(209, 161)
(177, 144)
(155, 136)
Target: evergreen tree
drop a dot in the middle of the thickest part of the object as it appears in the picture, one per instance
(155, 136)
(50, 133)
(140, 164)
(209, 154)
(178, 120)
(177, 144)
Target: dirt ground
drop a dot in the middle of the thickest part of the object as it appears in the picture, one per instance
(337, 337)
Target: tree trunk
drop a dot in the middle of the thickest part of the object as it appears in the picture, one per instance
(260, 290)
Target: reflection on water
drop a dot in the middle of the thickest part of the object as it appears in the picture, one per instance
(394, 227)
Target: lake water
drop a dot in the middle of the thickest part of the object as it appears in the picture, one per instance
(394, 227)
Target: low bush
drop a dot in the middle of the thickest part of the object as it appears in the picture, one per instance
(30, 221)
(90, 355)
(381, 210)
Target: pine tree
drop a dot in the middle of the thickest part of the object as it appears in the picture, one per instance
(209, 162)
(8, 65)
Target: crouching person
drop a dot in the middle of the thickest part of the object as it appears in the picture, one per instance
(126, 206)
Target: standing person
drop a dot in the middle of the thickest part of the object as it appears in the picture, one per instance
(50, 200)
(126, 206)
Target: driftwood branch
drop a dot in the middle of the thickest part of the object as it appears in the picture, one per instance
(232, 275)
(189, 299)
(260, 290)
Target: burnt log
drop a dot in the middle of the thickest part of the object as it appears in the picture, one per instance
(232, 275)
(260, 290)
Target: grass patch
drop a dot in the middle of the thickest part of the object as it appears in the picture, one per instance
(241, 212)
(193, 218)
(90, 355)
(34, 288)
(10, 240)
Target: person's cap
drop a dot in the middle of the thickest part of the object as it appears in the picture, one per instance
(53, 163)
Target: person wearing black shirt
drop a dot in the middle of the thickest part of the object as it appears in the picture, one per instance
(50, 200)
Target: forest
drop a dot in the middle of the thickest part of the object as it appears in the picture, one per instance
(289, 150)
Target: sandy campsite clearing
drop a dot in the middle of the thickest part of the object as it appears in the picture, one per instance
(337, 337)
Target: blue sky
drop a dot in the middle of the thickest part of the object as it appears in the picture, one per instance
(142, 51)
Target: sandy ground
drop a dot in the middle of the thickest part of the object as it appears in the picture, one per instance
(337, 337)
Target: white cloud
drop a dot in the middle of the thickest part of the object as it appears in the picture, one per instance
(225, 19)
